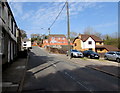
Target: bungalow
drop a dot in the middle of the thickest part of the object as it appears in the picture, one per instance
(91, 42)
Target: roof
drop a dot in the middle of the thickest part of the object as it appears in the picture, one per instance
(34, 34)
(108, 47)
(57, 35)
(26, 39)
(84, 37)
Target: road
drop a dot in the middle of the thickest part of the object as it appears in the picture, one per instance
(47, 72)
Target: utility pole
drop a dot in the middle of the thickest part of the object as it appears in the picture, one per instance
(48, 39)
(68, 25)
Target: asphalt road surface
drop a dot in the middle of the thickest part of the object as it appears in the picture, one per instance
(46, 72)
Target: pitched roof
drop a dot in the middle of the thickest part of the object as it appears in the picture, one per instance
(111, 48)
(84, 37)
(57, 35)
(26, 39)
(108, 47)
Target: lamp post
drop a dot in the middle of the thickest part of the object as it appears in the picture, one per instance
(49, 39)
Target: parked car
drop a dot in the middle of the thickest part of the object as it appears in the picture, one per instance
(75, 53)
(112, 55)
(91, 54)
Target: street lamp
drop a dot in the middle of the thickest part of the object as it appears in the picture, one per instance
(48, 30)
(49, 38)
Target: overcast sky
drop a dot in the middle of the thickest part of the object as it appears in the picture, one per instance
(32, 16)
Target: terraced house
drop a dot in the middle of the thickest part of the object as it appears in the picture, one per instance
(91, 42)
(8, 37)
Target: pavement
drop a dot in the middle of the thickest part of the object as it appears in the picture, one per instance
(110, 70)
(109, 67)
(13, 76)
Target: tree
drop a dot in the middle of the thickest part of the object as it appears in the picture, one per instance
(109, 40)
(73, 35)
(24, 35)
(91, 31)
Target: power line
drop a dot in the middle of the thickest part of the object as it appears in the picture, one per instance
(57, 16)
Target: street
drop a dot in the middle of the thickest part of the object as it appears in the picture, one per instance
(48, 72)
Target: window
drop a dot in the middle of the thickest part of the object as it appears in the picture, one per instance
(2, 42)
(53, 38)
(75, 44)
(111, 53)
(101, 49)
(15, 31)
(11, 25)
(4, 12)
(63, 38)
(24, 41)
(9, 20)
(100, 42)
(24, 44)
(90, 42)
(90, 48)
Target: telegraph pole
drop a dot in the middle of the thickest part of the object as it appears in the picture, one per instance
(68, 26)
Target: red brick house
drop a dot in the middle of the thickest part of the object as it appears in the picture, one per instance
(55, 40)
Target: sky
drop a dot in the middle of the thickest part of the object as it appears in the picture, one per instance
(36, 17)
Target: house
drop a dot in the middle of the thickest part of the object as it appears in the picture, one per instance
(8, 28)
(55, 40)
(26, 43)
(19, 40)
(35, 35)
(91, 42)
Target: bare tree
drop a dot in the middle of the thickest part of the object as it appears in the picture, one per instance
(24, 35)
(73, 34)
(91, 31)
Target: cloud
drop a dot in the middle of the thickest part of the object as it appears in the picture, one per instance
(17, 8)
(46, 13)
(106, 25)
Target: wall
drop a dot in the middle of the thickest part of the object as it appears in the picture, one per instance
(87, 46)
(98, 43)
(28, 44)
(78, 44)
(103, 51)
(55, 41)
(9, 40)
